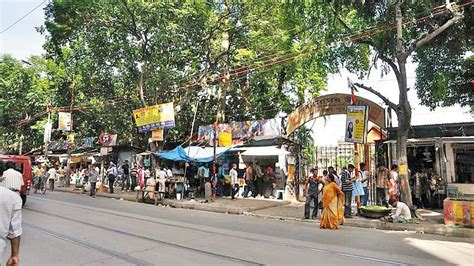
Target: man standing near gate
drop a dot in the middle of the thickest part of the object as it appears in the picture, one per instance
(347, 187)
(311, 192)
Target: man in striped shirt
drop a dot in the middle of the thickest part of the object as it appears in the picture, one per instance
(347, 186)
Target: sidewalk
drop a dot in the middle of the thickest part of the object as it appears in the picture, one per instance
(221, 205)
(284, 210)
(431, 225)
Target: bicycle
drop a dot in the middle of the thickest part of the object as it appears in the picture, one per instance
(40, 184)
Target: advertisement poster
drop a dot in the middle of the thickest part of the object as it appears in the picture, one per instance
(332, 104)
(356, 124)
(64, 121)
(242, 130)
(159, 116)
(225, 139)
(157, 135)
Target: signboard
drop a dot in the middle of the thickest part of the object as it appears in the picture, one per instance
(64, 121)
(107, 139)
(103, 151)
(225, 139)
(159, 116)
(332, 104)
(157, 135)
(242, 130)
(356, 124)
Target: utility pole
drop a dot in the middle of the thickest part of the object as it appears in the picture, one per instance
(69, 147)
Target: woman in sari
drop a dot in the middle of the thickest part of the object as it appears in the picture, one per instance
(333, 201)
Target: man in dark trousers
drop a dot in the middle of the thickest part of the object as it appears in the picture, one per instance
(111, 174)
(126, 176)
(347, 187)
(311, 192)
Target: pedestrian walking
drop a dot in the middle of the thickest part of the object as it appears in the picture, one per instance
(10, 224)
(126, 176)
(333, 200)
(347, 187)
(311, 190)
(234, 181)
(111, 175)
(93, 176)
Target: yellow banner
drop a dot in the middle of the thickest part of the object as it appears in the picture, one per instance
(225, 139)
(356, 124)
(157, 135)
(161, 115)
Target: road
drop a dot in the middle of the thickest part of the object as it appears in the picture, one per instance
(69, 229)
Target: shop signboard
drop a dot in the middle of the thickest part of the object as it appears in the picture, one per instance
(242, 130)
(157, 135)
(332, 104)
(64, 123)
(107, 139)
(159, 116)
(356, 124)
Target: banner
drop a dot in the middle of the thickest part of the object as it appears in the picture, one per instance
(356, 124)
(64, 121)
(332, 104)
(154, 117)
(225, 139)
(157, 135)
(242, 130)
(48, 127)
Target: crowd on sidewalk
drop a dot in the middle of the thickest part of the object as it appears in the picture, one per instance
(334, 194)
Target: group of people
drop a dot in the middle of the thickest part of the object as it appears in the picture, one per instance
(335, 194)
(46, 175)
(350, 184)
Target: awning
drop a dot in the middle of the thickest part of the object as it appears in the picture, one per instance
(191, 154)
(264, 151)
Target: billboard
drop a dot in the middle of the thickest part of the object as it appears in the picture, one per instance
(157, 135)
(356, 124)
(159, 116)
(64, 123)
(242, 130)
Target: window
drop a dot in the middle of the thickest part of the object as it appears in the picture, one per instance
(464, 165)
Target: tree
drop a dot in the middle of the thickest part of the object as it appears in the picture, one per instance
(417, 25)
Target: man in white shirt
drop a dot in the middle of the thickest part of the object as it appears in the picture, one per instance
(402, 213)
(12, 179)
(10, 224)
(52, 177)
(234, 180)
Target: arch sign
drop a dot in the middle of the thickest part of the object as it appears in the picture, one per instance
(332, 104)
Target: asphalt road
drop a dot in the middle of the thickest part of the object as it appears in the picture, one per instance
(69, 229)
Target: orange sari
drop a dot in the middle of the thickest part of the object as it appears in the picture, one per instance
(333, 202)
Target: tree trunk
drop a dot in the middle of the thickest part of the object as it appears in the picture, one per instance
(404, 123)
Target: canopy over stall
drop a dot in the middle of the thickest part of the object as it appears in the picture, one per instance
(191, 154)
(264, 151)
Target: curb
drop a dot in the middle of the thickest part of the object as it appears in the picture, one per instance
(188, 205)
(434, 229)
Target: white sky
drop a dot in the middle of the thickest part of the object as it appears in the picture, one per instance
(22, 41)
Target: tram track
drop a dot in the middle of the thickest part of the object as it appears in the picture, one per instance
(261, 241)
(141, 237)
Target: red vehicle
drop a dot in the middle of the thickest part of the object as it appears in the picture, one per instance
(22, 165)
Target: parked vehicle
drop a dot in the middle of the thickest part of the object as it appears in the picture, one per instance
(22, 165)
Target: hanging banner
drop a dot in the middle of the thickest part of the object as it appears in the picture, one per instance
(48, 127)
(103, 151)
(157, 135)
(225, 139)
(356, 124)
(107, 139)
(242, 130)
(64, 121)
(332, 104)
(159, 116)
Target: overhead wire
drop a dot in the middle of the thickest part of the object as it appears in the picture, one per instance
(24, 16)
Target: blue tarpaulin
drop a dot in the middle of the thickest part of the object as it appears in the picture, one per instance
(191, 154)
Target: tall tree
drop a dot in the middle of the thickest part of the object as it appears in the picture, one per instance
(417, 26)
